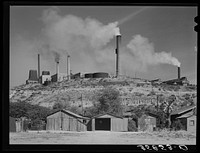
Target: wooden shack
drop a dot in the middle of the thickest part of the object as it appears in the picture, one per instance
(187, 117)
(147, 122)
(66, 120)
(108, 122)
(12, 124)
(192, 123)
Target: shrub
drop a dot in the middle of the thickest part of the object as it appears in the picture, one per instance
(132, 126)
(177, 125)
(109, 101)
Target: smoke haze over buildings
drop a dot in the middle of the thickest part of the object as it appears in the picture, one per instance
(87, 39)
(90, 41)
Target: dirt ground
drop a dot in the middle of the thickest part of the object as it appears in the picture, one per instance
(102, 137)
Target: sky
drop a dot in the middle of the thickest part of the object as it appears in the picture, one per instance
(154, 40)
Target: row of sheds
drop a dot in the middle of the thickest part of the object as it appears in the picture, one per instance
(68, 121)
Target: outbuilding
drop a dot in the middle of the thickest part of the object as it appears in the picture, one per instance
(108, 122)
(66, 120)
(147, 122)
(187, 117)
(188, 121)
(12, 124)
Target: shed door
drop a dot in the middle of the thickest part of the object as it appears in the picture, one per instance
(102, 124)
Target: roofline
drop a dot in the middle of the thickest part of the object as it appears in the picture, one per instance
(187, 116)
(183, 110)
(105, 114)
(65, 111)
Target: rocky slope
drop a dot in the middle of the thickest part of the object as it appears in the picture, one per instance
(81, 91)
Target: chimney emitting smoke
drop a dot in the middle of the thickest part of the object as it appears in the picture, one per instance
(68, 67)
(38, 67)
(179, 72)
(57, 69)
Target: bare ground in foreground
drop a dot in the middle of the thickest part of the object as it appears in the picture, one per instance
(102, 137)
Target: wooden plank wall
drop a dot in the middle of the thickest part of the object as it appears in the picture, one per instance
(68, 122)
(118, 124)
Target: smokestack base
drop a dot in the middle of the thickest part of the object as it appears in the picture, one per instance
(179, 73)
(38, 67)
(118, 40)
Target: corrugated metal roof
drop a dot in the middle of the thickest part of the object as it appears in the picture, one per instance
(182, 110)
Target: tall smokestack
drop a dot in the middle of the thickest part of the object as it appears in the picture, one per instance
(118, 40)
(38, 66)
(57, 69)
(68, 67)
(179, 72)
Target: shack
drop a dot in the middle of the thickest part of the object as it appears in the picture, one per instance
(147, 122)
(66, 120)
(187, 117)
(108, 122)
(12, 124)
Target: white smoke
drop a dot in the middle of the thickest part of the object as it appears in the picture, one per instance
(86, 41)
(142, 50)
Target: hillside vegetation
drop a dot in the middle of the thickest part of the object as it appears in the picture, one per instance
(81, 91)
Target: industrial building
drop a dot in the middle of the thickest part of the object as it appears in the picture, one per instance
(108, 122)
(97, 75)
(59, 77)
(45, 77)
(179, 81)
(32, 77)
(76, 76)
(66, 121)
(35, 77)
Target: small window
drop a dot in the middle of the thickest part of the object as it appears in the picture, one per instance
(191, 122)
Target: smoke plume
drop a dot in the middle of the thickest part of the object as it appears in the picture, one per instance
(57, 56)
(142, 50)
(86, 41)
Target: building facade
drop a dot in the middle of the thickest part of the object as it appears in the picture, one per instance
(66, 121)
(108, 122)
(146, 123)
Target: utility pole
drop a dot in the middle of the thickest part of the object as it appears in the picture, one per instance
(82, 103)
(157, 102)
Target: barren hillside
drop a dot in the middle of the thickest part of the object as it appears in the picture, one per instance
(81, 91)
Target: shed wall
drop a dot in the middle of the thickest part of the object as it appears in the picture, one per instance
(12, 124)
(63, 121)
(190, 127)
(117, 124)
(146, 123)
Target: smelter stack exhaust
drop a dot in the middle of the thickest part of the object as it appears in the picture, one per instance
(57, 67)
(118, 40)
(179, 72)
(68, 67)
(38, 66)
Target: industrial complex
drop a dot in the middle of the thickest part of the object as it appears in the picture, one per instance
(46, 77)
